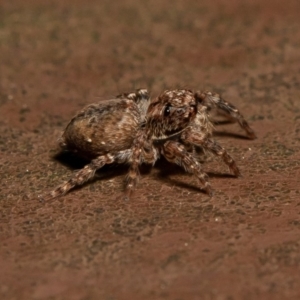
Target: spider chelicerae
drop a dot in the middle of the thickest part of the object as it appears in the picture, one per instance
(134, 129)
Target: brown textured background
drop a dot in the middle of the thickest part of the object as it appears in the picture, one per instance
(170, 241)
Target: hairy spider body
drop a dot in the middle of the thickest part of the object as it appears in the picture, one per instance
(132, 129)
(180, 119)
(106, 127)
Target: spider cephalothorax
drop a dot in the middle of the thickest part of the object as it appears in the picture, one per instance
(171, 112)
(132, 129)
(174, 111)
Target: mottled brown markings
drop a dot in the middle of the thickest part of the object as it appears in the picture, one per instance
(132, 129)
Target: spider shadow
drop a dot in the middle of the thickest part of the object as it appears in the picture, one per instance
(224, 133)
(217, 122)
(230, 135)
(167, 169)
(76, 163)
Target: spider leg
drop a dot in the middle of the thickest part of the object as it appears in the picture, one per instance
(139, 94)
(79, 177)
(141, 98)
(134, 172)
(142, 150)
(175, 152)
(213, 100)
(211, 145)
(218, 150)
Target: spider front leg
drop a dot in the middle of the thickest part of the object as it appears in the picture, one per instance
(175, 152)
(218, 150)
(213, 100)
(79, 178)
(198, 139)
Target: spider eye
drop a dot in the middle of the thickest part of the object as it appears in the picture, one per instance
(167, 110)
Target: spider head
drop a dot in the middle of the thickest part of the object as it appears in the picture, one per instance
(171, 112)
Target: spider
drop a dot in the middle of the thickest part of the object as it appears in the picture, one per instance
(134, 129)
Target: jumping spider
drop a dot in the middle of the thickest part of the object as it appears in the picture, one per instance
(134, 129)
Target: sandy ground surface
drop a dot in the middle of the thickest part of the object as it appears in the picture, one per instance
(170, 241)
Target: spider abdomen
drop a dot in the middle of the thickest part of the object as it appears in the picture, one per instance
(105, 127)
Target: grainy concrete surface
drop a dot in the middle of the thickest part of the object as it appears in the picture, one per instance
(170, 241)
